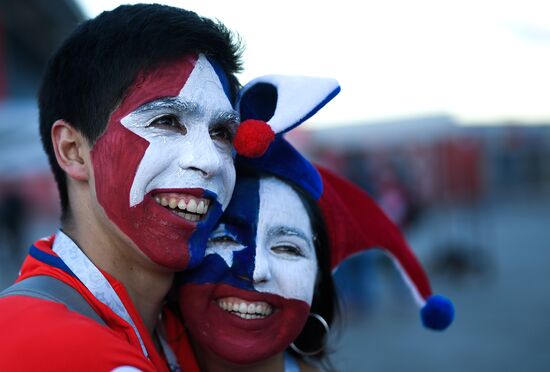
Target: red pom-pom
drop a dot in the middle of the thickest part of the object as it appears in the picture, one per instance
(253, 138)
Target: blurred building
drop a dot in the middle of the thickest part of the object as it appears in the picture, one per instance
(30, 31)
(436, 159)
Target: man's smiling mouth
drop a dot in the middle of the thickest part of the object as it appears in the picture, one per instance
(186, 206)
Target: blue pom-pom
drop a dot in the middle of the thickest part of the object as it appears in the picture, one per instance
(438, 313)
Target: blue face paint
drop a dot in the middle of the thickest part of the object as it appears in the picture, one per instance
(200, 236)
(223, 78)
(234, 264)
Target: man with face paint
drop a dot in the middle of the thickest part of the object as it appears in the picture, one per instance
(137, 119)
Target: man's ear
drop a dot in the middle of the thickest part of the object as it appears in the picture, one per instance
(71, 150)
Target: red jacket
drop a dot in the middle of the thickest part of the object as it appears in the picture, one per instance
(41, 335)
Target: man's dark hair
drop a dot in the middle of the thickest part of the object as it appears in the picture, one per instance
(89, 74)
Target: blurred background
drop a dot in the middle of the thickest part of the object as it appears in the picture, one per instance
(443, 118)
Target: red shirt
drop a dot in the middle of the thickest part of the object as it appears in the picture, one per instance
(42, 335)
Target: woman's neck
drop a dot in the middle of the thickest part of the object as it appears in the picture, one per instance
(210, 362)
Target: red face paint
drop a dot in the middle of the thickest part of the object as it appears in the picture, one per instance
(238, 340)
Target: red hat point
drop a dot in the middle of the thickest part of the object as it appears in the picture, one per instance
(253, 138)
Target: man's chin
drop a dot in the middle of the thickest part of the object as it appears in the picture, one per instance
(168, 239)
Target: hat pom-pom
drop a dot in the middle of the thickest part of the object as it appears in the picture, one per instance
(253, 138)
(438, 313)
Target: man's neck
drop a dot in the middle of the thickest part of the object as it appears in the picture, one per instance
(146, 284)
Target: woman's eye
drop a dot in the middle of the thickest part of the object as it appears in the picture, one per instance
(224, 239)
(222, 133)
(168, 122)
(288, 250)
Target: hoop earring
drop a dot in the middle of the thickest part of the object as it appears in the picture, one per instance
(311, 353)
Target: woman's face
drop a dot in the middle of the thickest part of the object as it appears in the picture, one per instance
(251, 296)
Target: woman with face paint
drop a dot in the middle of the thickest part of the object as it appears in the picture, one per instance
(266, 272)
(263, 298)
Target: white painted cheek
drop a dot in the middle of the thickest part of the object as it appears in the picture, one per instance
(194, 162)
(287, 276)
(229, 180)
(197, 161)
(295, 279)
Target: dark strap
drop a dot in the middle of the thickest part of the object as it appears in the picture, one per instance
(52, 289)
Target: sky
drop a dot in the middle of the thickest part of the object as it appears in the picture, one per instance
(480, 61)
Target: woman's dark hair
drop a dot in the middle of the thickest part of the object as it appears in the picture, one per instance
(325, 301)
(88, 75)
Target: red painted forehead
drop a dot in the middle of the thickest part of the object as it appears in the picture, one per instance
(165, 81)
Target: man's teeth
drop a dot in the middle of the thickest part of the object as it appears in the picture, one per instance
(246, 310)
(180, 206)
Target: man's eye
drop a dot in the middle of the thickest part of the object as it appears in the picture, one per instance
(288, 250)
(222, 133)
(168, 122)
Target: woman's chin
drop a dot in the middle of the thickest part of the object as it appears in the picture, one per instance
(237, 333)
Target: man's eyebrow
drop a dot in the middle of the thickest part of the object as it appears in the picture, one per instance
(173, 103)
(231, 117)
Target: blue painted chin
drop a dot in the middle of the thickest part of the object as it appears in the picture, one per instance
(197, 242)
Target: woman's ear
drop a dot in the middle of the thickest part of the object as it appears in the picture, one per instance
(71, 150)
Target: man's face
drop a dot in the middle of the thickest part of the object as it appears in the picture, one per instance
(251, 296)
(163, 169)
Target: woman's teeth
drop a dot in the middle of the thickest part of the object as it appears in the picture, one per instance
(186, 206)
(245, 309)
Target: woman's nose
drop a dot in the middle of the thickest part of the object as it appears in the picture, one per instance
(262, 271)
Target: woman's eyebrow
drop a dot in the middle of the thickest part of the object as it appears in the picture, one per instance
(287, 230)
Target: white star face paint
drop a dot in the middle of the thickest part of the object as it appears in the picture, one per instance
(218, 244)
(163, 169)
(182, 152)
(285, 263)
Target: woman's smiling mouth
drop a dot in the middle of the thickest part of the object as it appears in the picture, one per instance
(245, 309)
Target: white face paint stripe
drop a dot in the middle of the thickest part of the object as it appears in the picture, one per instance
(167, 159)
(284, 274)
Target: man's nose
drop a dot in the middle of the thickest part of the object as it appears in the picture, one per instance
(203, 157)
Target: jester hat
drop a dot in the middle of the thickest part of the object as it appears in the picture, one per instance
(271, 106)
